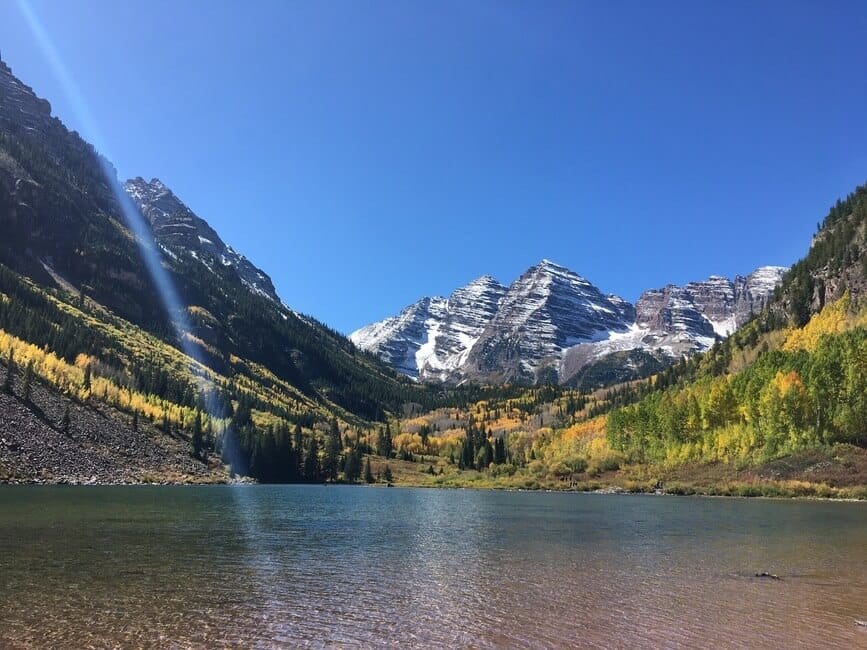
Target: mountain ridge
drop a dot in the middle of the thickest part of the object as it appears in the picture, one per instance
(67, 230)
(175, 226)
(552, 320)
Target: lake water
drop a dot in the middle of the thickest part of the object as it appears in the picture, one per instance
(260, 566)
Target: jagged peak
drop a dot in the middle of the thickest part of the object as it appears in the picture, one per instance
(177, 226)
(770, 269)
(550, 269)
(545, 263)
(484, 283)
(154, 185)
(157, 184)
(486, 279)
(488, 330)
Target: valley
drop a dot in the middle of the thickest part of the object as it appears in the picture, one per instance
(432, 325)
(744, 386)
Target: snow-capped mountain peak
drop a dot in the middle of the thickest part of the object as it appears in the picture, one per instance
(178, 230)
(553, 320)
(431, 338)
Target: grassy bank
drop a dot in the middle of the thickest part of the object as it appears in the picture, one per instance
(839, 472)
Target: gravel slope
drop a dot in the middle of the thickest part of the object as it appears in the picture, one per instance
(101, 447)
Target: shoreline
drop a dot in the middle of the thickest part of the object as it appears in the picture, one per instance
(610, 490)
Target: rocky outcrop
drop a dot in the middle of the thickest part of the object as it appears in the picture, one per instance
(714, 307)
(20, 108)
(672, 309)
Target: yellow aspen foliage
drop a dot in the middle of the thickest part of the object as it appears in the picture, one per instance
(84, 360)
(415, 423)
(594, 428)
(69, 378)
(835, 318)
(408, 442)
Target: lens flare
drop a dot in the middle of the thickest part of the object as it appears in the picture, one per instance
(150, 254)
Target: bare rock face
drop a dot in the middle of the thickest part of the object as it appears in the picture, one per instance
(20, 108)
(552, 323)
(753, 293)
(179, 230)
(548, 309)
(398, 339)
(431, 338)
(714, 299)
(714, 307)
(671, 309)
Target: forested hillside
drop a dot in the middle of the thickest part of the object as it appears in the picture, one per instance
(795, 378)
(806, 387)
(81, 310)
(240, 379)
(260, 423)
(784, 399)
(836, 262)
(66, 224)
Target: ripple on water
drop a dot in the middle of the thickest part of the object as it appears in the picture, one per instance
(356, 567)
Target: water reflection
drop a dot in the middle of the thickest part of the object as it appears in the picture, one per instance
(316, 566)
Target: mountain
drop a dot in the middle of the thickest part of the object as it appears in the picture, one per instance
(835, 264)
(178, 229)
(553, 324)
(545, 311)
(716, 306)
(791, 383)
(66, 228)
(431, 338)
(672, 322)
(776, 408)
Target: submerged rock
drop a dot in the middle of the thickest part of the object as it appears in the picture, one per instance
(771, 576)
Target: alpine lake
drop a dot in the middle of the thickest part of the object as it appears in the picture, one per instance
(343, 566)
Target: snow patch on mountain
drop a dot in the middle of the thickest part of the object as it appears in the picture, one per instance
(551, 318)
(431, 338)
(177, 229)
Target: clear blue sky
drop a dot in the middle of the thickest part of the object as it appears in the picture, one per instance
(368, 153)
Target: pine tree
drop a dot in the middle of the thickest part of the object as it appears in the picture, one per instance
(87, 378)
(298, 452)
(499, 451)
(198, 440)
(383, 442)
(467, 457)
(66, 421)
(28, 380)
(209, 436)
(368, 474)
(312, 469)
(386, 474)
(332, 451)
(10, 372)
(135, 420)
(352, 469)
